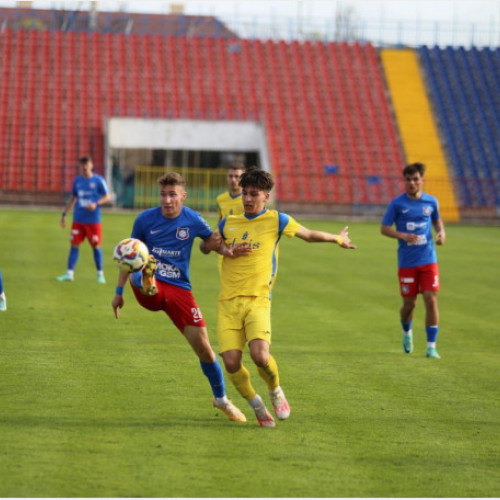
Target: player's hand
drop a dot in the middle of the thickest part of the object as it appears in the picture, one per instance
(212, 244)
(91, 207)
(63, 222)
(440, 238)
(346, 241)
(239, 250)
(411, 238)
(117, 304)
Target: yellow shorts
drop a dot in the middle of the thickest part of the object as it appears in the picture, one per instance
(241, 320)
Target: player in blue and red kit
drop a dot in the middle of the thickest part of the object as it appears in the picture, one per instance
(414, 213)
(3, 298)
(89, 193)
(169, 231)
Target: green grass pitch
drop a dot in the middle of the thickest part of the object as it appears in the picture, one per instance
(95, 407)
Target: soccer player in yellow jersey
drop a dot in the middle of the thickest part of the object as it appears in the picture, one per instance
(229, 203)
(244, 305)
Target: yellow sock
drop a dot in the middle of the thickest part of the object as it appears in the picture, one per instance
(270, 374)
(241, 380)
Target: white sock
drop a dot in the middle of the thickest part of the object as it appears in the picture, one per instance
(221, 401)
(2, 295)
(256, 402)
(71, 273)
(431, 344)
(100, 273)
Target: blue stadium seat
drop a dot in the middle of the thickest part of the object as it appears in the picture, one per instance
(464, 88)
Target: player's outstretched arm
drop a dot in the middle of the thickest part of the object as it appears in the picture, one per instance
(118, 301)
(313, 236)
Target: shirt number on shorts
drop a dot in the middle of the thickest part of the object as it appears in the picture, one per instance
(197, 316)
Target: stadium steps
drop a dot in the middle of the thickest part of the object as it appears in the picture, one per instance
(416, 124)
(321, 104)
(465, 93)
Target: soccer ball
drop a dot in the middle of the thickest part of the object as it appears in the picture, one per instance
(131, 255)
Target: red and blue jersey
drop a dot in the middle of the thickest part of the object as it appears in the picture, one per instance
(414, 216)
(171, 241)
(87, 191)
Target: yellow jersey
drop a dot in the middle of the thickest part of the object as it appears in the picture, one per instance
(228, 204)
(253, 275)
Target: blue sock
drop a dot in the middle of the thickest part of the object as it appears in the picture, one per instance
(213, 372)
(406, 325)
(98, 258)
(1, 283)
(136, 279)
(432, 333)
(73, 258)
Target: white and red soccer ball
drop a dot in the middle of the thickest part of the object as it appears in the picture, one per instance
(131, 255)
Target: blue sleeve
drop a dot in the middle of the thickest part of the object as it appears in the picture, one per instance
(138, 229)
(390, 215)
(435, 213)
(203, 230)
(282, 221)
(221, 226)
(103, 187)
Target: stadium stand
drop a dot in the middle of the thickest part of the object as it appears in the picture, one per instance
(321, 104)
(419, 133)
(465, 90)
(341, 119)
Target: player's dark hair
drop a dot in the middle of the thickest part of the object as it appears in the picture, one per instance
(172, 179)
(414, 168)
(84, 159)
(258, 178)
(236, 165)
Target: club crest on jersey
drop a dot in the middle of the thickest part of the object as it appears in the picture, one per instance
(427, 210)
(182, 233)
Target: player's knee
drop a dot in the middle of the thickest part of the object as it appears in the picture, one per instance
(232, 361)
(232, 366)
(260, 358)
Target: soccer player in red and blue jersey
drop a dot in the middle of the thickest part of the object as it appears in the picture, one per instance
(414, 213)
(89, 193)
(164, 285)
(3, 298)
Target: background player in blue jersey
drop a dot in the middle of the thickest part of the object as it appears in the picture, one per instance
(244, 305)
(3, 298)
(169, 231)
(414, 213)
(89, 193)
